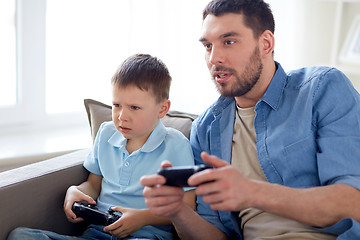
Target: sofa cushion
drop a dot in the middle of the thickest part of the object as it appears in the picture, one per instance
(99, 112)
(33, 195)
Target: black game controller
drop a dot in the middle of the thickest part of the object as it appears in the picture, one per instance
(91, 214)
(178, 176)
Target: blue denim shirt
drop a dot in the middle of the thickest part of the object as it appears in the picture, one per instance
(307, 131)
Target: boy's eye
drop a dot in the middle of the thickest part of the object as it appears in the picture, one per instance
(116, 105)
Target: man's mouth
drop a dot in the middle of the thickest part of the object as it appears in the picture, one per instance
(222, 77)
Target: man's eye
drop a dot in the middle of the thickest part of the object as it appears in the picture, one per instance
(229, 42)
(207, 46)
(135, 108)
(116, 105)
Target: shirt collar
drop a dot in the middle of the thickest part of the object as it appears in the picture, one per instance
(276, 87)
(272, 95)
(155, 139)
(221, 104)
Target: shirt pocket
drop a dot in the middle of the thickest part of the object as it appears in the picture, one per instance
(304, 145)
(300, 163)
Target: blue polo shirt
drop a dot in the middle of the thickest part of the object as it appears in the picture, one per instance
(122, 171)
(307, 135)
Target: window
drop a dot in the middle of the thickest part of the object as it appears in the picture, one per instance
(8, 93)
(67, 50)
(82, 53)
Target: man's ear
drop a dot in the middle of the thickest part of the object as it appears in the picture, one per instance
(164, 107)
(267, 43)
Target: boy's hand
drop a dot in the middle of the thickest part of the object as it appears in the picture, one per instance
(131, 221)
(73, 194)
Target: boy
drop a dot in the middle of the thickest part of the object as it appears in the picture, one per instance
(132, 145)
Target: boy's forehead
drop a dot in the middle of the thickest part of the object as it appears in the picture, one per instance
(132, 91)
(127, 87)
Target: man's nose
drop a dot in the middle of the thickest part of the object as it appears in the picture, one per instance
(216, 56)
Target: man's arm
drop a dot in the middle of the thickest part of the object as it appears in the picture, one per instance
(169, 201)
(190, 225)
(318, 206)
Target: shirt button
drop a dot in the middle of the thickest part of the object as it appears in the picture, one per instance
(127, 164)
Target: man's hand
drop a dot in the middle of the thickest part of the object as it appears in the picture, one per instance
(224, 188)
(169, 201)
(162, 200)
(316, 206)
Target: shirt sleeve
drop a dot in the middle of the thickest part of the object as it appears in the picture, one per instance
(181, 153)
(337, 117)
(91, 163)
(198, 145)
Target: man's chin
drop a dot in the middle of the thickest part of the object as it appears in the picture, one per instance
(225, 92)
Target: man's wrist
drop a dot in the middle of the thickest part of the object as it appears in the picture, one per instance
(181, 214)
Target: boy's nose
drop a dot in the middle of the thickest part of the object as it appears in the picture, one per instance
(122, 115)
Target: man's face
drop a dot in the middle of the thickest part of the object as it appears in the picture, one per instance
(232, 54)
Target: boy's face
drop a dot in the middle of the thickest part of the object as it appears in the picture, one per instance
(136, 113)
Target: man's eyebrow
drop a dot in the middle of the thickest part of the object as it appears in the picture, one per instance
(224, 35)
(202, 39)
(229, 34)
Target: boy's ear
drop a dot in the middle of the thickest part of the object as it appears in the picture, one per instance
(164, 108)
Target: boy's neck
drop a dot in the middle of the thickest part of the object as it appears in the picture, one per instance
(134, 144)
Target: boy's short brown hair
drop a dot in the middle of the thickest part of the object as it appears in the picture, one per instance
(145, 72)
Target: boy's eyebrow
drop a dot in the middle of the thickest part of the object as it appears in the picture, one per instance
(224, 35)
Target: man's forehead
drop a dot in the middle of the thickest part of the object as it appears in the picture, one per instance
(221, 26)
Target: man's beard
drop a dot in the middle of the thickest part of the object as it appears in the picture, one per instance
(244, 83)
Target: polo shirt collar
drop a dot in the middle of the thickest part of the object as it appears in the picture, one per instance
(155, 139)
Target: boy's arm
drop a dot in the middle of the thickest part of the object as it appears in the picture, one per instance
(87, 191)
(92, 186)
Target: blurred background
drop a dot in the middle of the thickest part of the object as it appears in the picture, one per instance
(55, 53)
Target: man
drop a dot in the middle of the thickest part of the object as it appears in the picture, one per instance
(293, 141)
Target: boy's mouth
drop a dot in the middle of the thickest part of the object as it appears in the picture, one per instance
(124, 129)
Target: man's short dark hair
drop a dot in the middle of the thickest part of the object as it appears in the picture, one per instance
(257, 14)
(145, 72)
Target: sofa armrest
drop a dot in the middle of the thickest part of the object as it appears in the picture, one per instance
(33, 195)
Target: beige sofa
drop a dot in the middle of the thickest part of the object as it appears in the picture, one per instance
(32, 196)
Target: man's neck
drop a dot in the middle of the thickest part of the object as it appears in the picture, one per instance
(253, 96)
